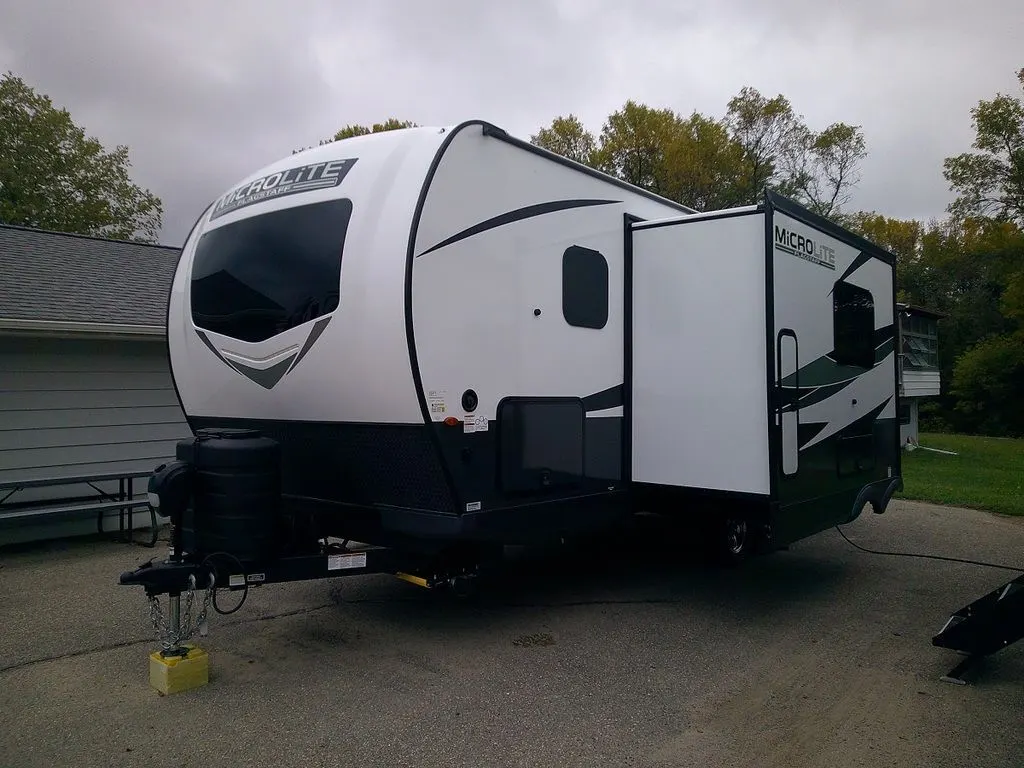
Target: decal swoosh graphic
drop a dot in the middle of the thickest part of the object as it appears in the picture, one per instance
(314, 334)
(519, 214)
(862, 259)
(269, 376)
(265, 377)
(608, 398)
(873, 389)
(826, 372)
(811, 433)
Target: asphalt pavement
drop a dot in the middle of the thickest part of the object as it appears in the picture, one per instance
(629, 654)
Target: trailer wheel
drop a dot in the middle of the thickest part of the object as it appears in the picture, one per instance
(735, 539)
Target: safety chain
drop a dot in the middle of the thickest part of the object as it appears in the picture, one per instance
(171, 638)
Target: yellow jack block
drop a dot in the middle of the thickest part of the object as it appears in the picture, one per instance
(174, 674)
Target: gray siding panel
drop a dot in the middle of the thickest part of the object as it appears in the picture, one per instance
(83, 381)
(46, 399)
(56, 437)
(71, 407)
(91, 417)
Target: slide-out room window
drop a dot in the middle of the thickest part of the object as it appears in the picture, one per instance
(584, 287)
(854, 325)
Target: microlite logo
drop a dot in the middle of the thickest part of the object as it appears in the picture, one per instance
(795, 244)
(302, 178)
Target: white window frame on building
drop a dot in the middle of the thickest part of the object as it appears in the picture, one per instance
(918, 365)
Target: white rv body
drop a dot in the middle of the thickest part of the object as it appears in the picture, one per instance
(456, 336)
(358, 370)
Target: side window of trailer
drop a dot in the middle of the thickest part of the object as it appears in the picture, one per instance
(854, 325)
(584, 287)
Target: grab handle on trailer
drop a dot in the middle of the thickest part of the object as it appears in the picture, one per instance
(789, 446)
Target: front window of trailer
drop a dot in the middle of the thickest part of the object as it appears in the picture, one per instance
(260, 276)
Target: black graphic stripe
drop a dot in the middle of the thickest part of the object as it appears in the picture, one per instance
(265, 377)
(314, 334)
(859, 426)
(519, 214)
(208, 343)
(883, 350)
(814, 395)
(862, 259)
(825, 371)
(884, 334)
(612, 397)
(808, 431)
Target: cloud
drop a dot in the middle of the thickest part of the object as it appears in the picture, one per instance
(204, 93)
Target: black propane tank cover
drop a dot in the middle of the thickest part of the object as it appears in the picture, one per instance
(237, 493)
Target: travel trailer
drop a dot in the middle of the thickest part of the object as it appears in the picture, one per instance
(439, 341)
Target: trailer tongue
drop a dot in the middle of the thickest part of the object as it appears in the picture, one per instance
(231, 531)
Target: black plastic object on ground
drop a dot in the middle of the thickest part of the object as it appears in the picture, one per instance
(236, 492)
(985, 626)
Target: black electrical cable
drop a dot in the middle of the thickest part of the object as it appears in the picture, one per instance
(930, 557)
(245, 592)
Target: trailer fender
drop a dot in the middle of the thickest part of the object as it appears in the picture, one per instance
(877, 494)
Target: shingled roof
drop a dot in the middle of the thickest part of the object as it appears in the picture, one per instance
(53, 277)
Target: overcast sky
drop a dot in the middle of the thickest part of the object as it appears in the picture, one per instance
(203, 93)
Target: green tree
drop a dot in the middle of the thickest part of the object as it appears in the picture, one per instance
(710, 163)
(904, 239)
(771, 137)
(899, 236)
(53, 176)
(823, 167)
(567, 137)
(990, 182)
(703, 165)
(391, 124)
(780, 152)
(988, 381)
(968, 269)
(354, 129)
(633, 145)
(985, 269)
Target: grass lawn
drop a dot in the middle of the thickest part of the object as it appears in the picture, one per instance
(987, 473)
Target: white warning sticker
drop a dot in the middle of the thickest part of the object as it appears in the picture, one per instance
(436, 399)
(475, 423)
(236, 580)
(473, 506)
(341, 562)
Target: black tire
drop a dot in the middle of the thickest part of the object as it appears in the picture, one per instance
(734, 539)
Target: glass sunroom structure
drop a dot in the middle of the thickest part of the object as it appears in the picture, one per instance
(918, 360)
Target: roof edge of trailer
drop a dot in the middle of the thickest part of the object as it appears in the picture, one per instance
(718, 213)
(778, 202)
(496, 132)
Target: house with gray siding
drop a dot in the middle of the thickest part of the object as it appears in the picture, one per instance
(85, 385)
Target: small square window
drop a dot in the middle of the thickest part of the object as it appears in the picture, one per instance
(584, 287)
(854, 325)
